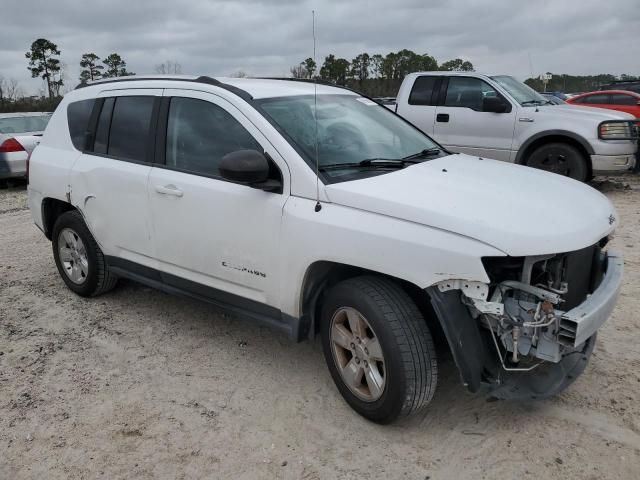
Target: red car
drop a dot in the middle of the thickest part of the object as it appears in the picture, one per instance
(622, 100)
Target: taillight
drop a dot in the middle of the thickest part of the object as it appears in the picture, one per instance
(11, 145)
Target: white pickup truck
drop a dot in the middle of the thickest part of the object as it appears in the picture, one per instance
(497, 116)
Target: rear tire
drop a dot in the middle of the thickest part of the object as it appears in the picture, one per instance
(398, 371)
(78, 257)
(560, 158)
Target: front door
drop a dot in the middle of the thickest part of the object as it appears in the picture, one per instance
(462, 126)
(210, 234)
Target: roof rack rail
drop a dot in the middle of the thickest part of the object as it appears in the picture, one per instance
(201, 79)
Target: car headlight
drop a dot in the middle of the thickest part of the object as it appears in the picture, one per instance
(617, 130)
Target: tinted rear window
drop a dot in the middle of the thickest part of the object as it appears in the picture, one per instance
(78, 114)
(130, 125)
(422, 91)
(24, 124)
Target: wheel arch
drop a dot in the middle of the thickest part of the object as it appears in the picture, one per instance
(321, 275)
(449, 321)
(555, 136)
(52, 208)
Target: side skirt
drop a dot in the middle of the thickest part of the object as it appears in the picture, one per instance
(261, 313)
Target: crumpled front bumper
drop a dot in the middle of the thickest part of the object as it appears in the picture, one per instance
(581, 322)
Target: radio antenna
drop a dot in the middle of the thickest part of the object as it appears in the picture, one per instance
(315, 112)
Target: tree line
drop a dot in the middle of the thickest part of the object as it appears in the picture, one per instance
(376, 74)
(373, 74)
(44, 62)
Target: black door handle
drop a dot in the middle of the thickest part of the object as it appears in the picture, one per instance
(442, 117)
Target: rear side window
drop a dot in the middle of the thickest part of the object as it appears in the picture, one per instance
(622, 99)
(130, 127)
(200, 133)
(78, 114)
(596, 99)
(102, 130)
(422, 91)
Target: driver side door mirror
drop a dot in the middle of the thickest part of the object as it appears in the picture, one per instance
(251, 168)
(495, 104)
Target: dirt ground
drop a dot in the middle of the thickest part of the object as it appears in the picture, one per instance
(140, 384)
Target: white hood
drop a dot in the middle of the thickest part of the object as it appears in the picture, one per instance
(570, 111)
(516, 209)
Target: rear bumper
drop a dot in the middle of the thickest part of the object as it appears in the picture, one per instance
(580, 323)
(13, 164)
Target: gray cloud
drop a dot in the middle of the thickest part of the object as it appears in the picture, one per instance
(267, 37)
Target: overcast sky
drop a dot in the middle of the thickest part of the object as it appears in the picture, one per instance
(267, 37)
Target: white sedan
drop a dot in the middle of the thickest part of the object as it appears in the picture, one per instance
(19, 134)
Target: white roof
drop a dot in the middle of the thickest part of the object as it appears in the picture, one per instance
(457, 74)
(256, 87)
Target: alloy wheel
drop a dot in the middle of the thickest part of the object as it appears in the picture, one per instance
(358, 354)
(73, 255)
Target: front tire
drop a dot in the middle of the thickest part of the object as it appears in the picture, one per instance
(378, 348)
(78, 257)
(560, 158)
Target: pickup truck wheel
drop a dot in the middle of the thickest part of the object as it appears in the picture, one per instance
(560, 158)
(78, 257)
(378, 348)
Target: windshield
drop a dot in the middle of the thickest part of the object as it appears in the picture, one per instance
(30, 123)
(521, 93)
(351, 129)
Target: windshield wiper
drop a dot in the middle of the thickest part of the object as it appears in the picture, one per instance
(427, 152)
(385, 162)
(534, 102)
(368, 163)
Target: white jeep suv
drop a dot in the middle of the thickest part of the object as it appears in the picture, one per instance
(497, 116)
(208, 188)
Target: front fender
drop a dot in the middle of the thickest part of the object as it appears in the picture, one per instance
(418, 254)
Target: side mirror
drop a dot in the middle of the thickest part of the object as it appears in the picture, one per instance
(495, 105)
(248, 167)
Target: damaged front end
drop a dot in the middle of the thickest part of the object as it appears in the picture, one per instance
(530, 331)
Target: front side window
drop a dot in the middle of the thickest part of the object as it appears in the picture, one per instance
(130, 127)
(468, 92)
(200, 133)
(350, 130)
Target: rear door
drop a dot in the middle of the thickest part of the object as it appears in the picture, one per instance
(109, 180)
(462, 125)
(421, 106)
